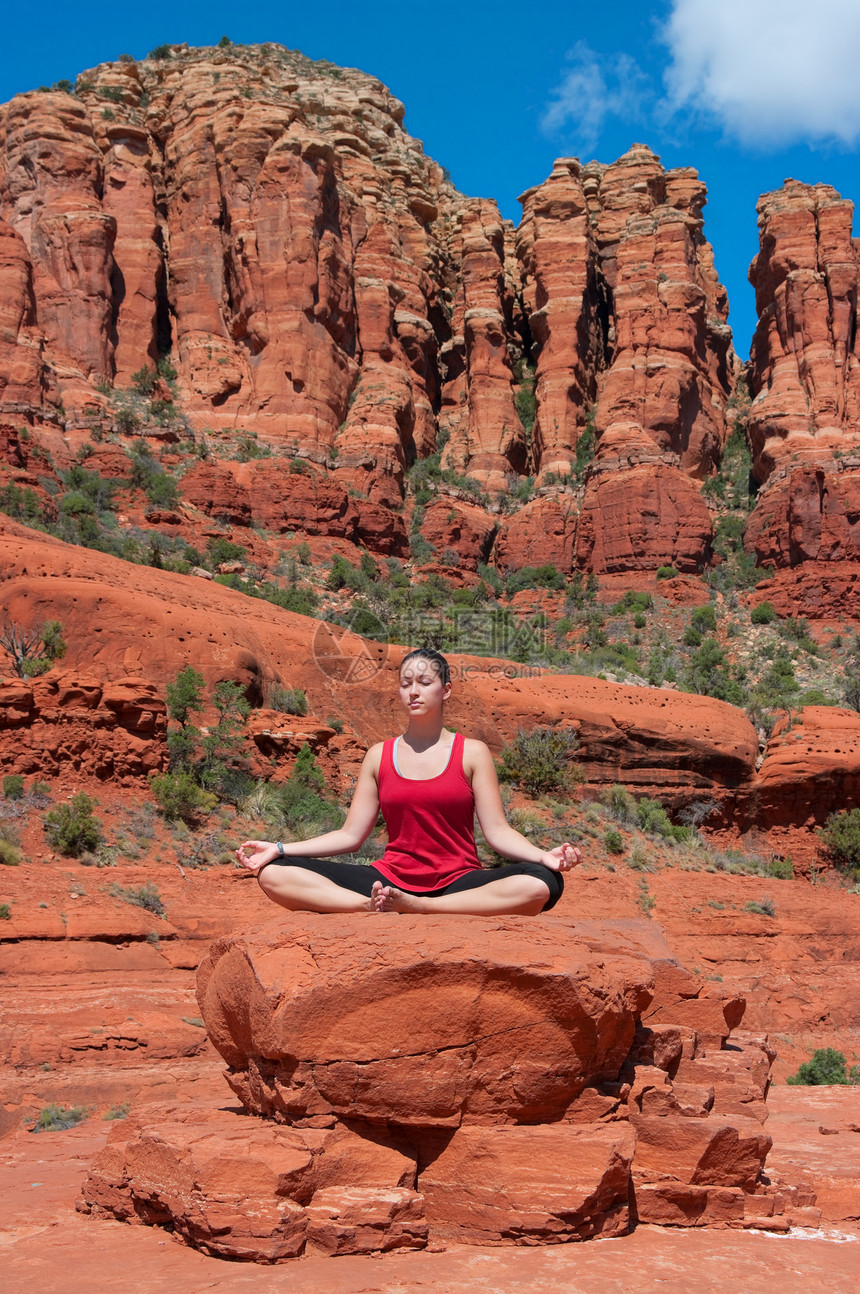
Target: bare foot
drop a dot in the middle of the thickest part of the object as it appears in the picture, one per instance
(390, 899)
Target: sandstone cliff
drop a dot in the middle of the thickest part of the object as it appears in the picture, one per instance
(316, 280)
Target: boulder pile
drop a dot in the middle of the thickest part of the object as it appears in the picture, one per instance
(411, 1081)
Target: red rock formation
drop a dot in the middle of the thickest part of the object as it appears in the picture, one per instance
(811, 768)
(563, 299)
(64, 722)
(805, 382)
(461, 528)
(541, 533)
(625, 308)
(808, 515)
(267, 492)
(641, 519)
(319, 1054)
(563, 1107)
(804, 375)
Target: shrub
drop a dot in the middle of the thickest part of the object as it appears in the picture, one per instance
(58, 1118)
(5, 912)
(71, 827)
(620, 803)
(224, 550)
(540, 760)
(704, 619)
(652, 817)
(765, 908)
(33, 651)
(613, 841)
(289, 700)
(781, 869)
(535, 577)
(841, 836)
(9, 855)
(117, 1111)
(179, 795)
(141, 896)
(826, 1068)
(763, 614)
(666, 573)
(13, 786)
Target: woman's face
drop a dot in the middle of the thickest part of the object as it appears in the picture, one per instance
(421, 688)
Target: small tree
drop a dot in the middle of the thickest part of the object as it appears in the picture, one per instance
(826, 1068)
(841, 836)
(185, 696)
(33, 651)
(540, 760)
(71, 827)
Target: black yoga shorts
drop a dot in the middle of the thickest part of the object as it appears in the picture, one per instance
(361, 879)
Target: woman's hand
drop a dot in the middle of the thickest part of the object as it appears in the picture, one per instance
(562, 858)
(254, 854)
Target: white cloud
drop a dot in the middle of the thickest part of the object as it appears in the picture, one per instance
(590, 92)
(770, 73)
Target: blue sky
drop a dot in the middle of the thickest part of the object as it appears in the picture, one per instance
(746, 91)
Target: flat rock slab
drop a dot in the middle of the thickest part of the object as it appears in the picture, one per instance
(424, 1022)
(238, 1187)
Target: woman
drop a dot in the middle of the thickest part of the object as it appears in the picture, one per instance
(428, 784)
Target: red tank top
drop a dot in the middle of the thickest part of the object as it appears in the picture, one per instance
(431, 839)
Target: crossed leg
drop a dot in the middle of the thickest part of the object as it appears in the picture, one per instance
(525, 895)
(301, 890)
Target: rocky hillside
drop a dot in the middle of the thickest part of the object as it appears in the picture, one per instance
(252, 334)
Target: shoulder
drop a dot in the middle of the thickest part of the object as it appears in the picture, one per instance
(373, 758)
(476, 755)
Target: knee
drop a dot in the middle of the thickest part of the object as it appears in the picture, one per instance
(537, 892)
(267, 878)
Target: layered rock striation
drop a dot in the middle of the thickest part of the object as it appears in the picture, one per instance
(267, 223)
(484, 1082)
(804, 422)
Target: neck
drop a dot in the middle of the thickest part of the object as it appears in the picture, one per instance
(423, 732)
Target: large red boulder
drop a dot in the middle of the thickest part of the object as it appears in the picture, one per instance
(417, 1023)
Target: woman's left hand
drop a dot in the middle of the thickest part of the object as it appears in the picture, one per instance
(562, 858)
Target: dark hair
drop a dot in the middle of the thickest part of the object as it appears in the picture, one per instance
(434, 657)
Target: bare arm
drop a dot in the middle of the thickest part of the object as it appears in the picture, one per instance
(498, 832)
(360, 821)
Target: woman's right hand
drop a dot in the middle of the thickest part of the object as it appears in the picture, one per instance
(254, 854)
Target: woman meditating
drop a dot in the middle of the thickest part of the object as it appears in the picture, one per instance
(428, 784)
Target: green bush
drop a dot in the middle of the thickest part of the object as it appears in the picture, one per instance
(535, 577)
(763, 614)
(666, 573)
(765, 908)
(704, 619)
(9, 855)
(613, 841)
(781, 869)
(841, 836)
(13, 786)
(289, 700)
(58, 1118)
(620, 803)
(141, 896)
(179, 795)
(144, 380)
(5, 912)
(71, 827)
(827, 1068)
(540, 760)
